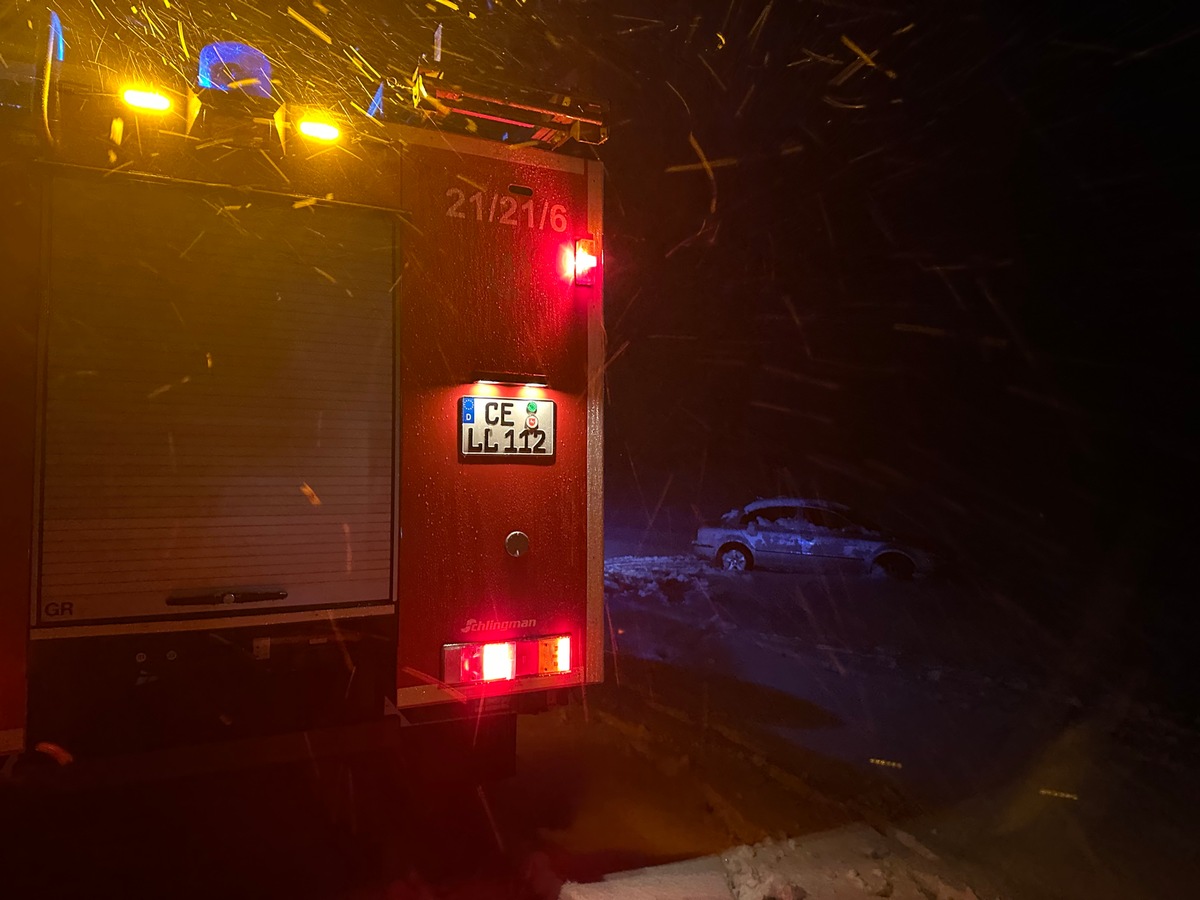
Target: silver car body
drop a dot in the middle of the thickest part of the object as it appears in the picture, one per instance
(789, 533)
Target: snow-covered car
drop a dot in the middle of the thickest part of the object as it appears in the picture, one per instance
(788, 533)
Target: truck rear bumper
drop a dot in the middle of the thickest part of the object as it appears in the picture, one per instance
(462, 745)
(39, 770)
(129, 693)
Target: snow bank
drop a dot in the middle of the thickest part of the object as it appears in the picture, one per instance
(851, 863)
(666, 579)
(694, 879)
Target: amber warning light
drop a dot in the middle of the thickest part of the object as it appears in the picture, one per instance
(506, 660)
(319, 130)
(146, 100)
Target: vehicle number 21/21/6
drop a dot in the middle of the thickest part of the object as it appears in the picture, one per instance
(501, 210)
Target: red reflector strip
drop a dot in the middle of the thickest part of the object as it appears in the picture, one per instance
(504, 661)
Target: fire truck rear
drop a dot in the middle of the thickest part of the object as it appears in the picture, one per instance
(301, 408)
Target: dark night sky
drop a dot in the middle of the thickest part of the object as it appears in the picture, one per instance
(964, 305)
(964, 301)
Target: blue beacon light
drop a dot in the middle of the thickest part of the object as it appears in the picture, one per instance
(233, 66)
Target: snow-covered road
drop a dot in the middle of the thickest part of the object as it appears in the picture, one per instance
(738, 712)
(922, 702)
(911, 678)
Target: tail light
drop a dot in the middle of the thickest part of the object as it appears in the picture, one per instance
(506, 660)
(499, 662)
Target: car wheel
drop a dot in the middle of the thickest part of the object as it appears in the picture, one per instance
(896, 566)
(735, 559)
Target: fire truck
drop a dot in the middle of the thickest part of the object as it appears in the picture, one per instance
(301, 405)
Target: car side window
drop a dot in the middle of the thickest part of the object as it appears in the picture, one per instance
(858, 521)
(792, 519)
(825, 518)
(765, 516)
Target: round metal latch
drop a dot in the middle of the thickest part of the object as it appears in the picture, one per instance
(517, 543)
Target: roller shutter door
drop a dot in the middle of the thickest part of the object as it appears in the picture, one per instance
(218, 403)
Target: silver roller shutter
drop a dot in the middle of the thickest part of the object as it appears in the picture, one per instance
(218, 402)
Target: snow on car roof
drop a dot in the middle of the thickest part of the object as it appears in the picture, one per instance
(763, 503)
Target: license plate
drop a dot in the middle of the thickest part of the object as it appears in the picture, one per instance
(506, 427)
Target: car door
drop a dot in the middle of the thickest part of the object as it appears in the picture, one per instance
(831, 533)
(790, 538)
(860, 539)
(761, 533)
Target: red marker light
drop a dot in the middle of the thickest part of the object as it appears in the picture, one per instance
(585, 263)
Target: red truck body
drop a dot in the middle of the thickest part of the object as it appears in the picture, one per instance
(297, 435)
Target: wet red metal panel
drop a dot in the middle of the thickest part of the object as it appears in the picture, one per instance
(483, 289)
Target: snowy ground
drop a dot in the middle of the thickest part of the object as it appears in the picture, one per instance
(849, 863)
(927, 703)
(873, 673)
(821, 735)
